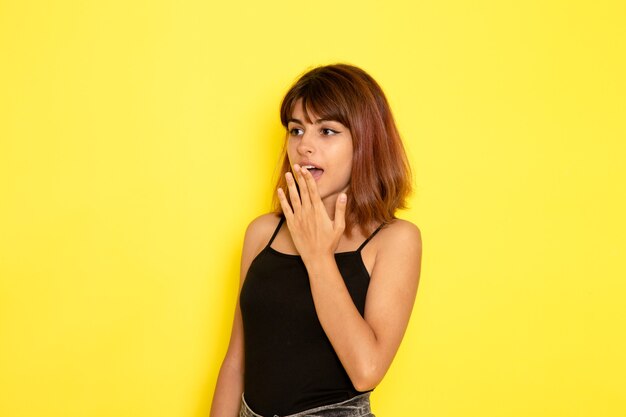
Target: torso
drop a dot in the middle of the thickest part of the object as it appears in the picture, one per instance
(279, 317)
(289, 361)
(283, 243)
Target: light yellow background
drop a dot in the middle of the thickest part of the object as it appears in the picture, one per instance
(139, 138)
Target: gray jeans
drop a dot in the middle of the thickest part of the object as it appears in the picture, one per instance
(358, 406)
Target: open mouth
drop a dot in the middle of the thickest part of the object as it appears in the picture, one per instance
(315, 171)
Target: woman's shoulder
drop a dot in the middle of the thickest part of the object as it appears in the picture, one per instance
(260, 229)
(263, 223)
(398, 254)
(400, 233)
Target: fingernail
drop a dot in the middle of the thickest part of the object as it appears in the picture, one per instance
(343, 198)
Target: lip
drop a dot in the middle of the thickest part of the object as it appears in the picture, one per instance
(316, 174)
(307, 162)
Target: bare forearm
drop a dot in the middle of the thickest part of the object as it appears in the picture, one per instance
(352, 337)
(228, 390)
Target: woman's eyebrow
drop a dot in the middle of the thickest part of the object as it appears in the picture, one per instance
(318, 121)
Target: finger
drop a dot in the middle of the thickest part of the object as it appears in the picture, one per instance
(340, 212)
(293, 192)
(282, 198)
(304, 189)
(312, 188)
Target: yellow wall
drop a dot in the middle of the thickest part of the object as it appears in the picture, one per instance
(138, 139)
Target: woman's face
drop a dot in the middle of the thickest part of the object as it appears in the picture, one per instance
(325, 145)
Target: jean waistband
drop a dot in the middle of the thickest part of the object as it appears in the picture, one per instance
(354, 407)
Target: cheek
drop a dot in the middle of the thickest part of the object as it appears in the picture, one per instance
(347, 170)
(291, 153)
(349, 157)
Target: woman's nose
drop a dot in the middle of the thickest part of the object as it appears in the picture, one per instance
(306, 145)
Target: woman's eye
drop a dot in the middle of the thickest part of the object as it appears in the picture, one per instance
(329, 132)
(294, 131)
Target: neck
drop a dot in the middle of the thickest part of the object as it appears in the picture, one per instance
(330, 203)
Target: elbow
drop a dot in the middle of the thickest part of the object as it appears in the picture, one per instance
(366, 380)
(364, 386)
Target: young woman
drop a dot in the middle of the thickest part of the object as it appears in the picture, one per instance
(325, 301)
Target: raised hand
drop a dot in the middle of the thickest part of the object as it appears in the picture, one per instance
(313, 232)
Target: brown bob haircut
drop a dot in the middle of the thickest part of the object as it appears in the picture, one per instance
(381, 177)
